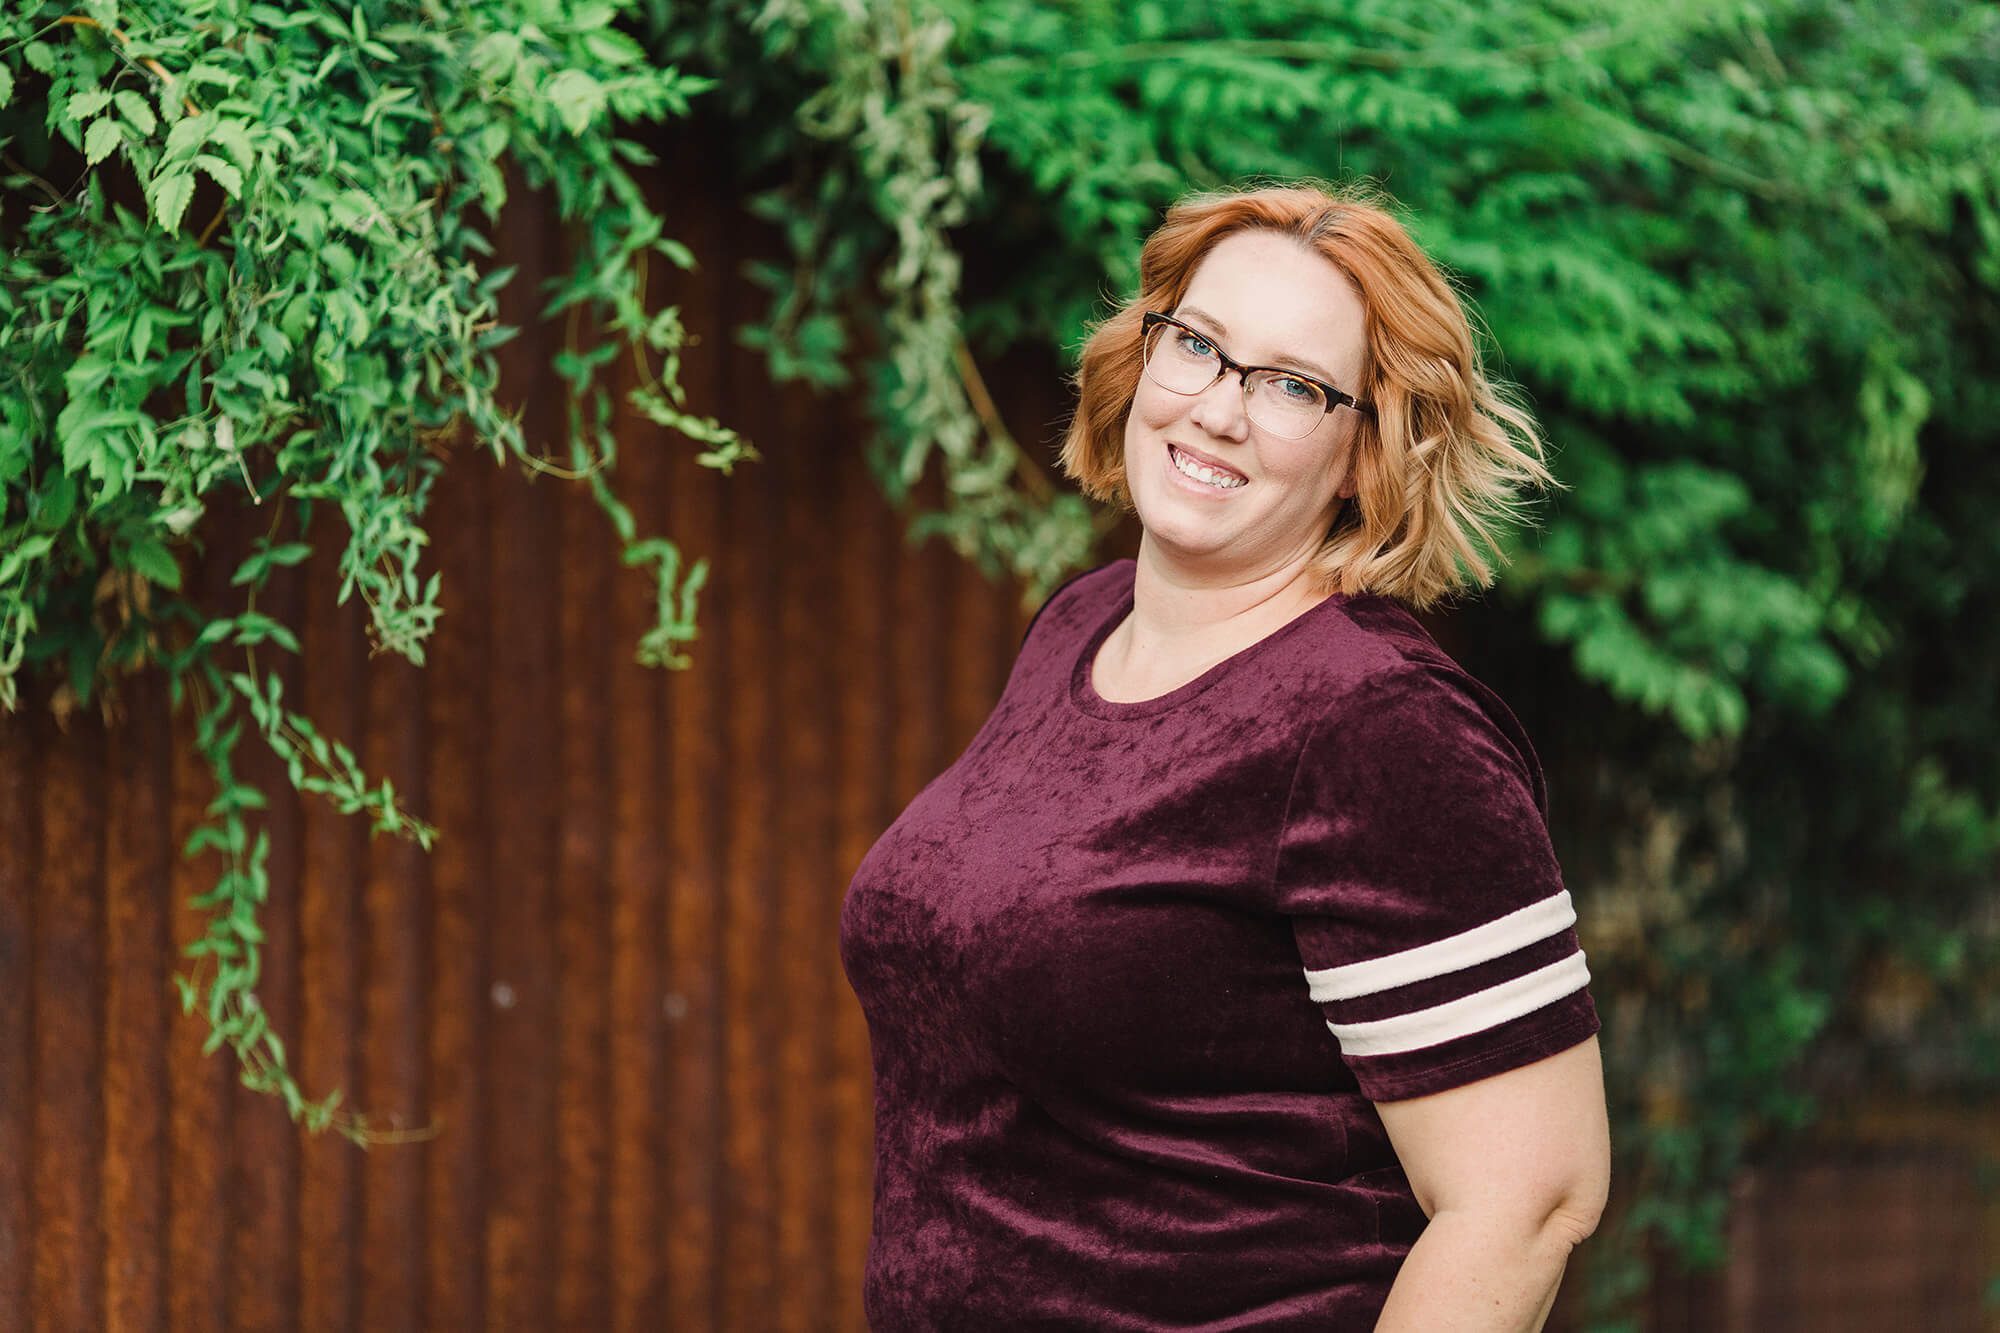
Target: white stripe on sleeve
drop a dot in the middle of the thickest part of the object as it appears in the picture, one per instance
(1467, 1014)
(1502, 935)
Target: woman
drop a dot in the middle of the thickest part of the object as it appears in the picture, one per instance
(1228, 979)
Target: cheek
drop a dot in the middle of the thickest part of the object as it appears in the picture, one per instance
(1304, 470)
(1152, 407)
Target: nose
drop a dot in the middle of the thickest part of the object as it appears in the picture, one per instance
(1220, 409)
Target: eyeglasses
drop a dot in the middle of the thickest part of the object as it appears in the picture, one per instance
(1285, 402)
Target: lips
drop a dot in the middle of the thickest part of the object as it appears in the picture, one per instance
(1205, 460)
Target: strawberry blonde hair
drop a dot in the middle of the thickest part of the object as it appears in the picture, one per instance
(1447, 452)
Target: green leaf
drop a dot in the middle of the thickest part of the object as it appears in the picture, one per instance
(6, 85)
(201, 72)
(153, 560)
(17, 559)
(57, 502)
(251, 570)
(354, 209)
(495, 55)
(82, 106)
(138, 113)
(100, 139)
(613, 48)
(577, 98)
(204, 837)
(231, 137)
(222, 173)
(169, 196)
(187, 135)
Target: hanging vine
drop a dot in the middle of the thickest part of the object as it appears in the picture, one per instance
(244, 264)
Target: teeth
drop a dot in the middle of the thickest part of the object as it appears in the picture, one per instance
(1193, 469)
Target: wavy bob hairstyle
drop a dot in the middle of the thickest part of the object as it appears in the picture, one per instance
(1447, 453)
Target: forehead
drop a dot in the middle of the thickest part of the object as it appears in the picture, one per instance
(1274, 299)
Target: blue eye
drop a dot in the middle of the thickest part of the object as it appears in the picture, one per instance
(1298, 390)
(1185, 338)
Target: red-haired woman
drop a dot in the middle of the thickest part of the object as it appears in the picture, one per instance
(1228, 980)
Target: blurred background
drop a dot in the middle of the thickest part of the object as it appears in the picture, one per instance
(1741, 260)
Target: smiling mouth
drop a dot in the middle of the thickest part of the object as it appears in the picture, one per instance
(1213, 478)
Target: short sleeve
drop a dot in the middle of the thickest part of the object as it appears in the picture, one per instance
(1415, 864)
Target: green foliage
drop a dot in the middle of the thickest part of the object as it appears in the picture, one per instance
(1743, 259)
(904, 173)
(242, 259)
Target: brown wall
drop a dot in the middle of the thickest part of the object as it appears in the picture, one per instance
(614, 982)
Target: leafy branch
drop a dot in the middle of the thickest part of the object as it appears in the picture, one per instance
(319, 341)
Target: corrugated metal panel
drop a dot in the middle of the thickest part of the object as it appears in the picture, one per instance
(1855, 1241)
(613, 984)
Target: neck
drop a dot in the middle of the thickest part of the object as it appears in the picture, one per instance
(1173, 603)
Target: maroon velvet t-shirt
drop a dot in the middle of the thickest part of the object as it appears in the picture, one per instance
(1134, 974)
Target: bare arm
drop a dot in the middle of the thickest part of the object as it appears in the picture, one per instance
(1513, 1172)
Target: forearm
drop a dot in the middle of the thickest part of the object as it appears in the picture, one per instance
(1477, 1273)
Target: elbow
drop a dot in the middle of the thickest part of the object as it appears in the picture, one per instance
(1574, 1216)
(1552, 1224)
(1572, 1225)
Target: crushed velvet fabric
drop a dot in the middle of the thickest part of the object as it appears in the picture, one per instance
(1135, 973)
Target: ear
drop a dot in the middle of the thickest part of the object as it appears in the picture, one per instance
(1348, 484)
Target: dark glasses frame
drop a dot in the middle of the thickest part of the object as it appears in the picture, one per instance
(1334, 397)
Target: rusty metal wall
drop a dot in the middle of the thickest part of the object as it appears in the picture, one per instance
(614, 981)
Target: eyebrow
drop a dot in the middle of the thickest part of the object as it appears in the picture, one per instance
(1222, 331)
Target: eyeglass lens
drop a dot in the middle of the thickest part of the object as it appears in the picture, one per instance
(1184, 362)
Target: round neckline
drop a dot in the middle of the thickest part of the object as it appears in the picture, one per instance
(1083, 693)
